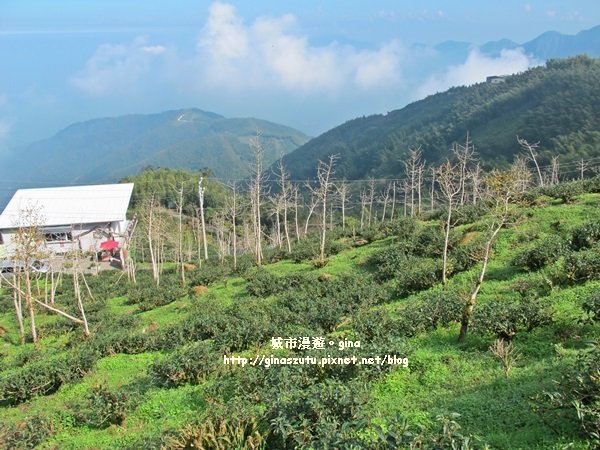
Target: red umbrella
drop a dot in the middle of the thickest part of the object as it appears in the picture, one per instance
(109, 245)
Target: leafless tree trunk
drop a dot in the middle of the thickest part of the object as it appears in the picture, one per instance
(414, 174)
(371, 198)
(583, 166)
(502, 186)
(465, 155)
(202, 221)
(393, 199)
(180, 235)
(314, 201)
(19, 313)
(284, 199)
(233, 213)
(555, 169)
(343, 195)
(385, 198)
(296, 193)
(450, 187)
(256, 193)
(530, 149)
(364, 198)
(324, 173)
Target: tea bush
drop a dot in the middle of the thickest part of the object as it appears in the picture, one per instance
(188, 364)
(542, 253)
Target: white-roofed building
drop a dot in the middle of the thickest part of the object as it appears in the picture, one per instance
(72, 217)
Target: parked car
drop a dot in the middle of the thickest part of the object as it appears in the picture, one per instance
(11, 266)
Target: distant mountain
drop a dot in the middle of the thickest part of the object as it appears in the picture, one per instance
(546, 46)
(557, 104)
(107, 149)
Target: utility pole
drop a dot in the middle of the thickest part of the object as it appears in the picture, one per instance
(201, 197)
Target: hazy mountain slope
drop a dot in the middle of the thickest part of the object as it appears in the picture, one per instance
(558, 104)
(107, 149)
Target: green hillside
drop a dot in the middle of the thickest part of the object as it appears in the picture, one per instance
(557, 104)
(103, 150)
(153, 373)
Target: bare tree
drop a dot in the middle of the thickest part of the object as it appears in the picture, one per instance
(530, 150)
(502, 186)
(385, 197)
(322, 192)
(201, 190)
(314, 201)
(232, 208)
(449, 180)
(257, 182)
(152, 225)
(414, 167)
(582, 166)
(344, 196)
(555, 170)
(371, 197)
(364, 198)
(284, 198)
(180, 265)
(465, 154)
(26, 251)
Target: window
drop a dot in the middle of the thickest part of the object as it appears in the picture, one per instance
(58, 237)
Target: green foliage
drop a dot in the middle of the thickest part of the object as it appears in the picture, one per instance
(101, 407)
(586, 235)
(579, 389)
(208, 274)
(322, 305)
(29, 433)
(218, 433)
(308, 248)
(536, 104)
(417, 274)
(148, 296)
(591, 307)
(262, 283)
(583, 265)
(541, 253)
(504, 318)
(43, 377)
(188, 364)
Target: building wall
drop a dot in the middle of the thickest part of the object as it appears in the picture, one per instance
(83, 237)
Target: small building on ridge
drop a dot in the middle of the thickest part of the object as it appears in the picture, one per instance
(69, 218)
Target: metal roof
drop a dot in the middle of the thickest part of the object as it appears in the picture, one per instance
(71, 205)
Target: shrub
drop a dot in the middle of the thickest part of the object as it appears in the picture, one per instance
(541, 253)
(262, 283)
(417, 274)
(504, 318)
(188, 364)
(586, 235)
(101, 407)
(29, 433)
(591, 307)
(208, 274)
(148, 296)
(583, 265)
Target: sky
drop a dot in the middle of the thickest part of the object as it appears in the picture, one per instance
(308, 64)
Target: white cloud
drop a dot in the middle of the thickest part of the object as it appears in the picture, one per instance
(224, 35)
(155, 49)
(271, 53)
(115, 67)
(475, 69)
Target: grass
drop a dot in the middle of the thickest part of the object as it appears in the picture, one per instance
(443, 377)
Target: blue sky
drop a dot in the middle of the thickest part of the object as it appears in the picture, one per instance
(308, 64)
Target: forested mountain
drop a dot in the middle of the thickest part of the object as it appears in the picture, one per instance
(106, 149)
(557, 104)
